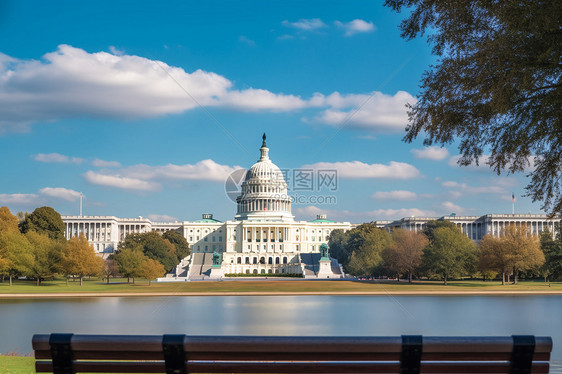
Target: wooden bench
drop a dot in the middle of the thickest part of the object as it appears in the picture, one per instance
(408, 354)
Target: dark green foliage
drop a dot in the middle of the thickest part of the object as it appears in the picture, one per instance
(552, 249)
(153, 246)
(179, 242)
(451, 254)
(44, 221)
(430, 227)
(497, 86)
(337, 242)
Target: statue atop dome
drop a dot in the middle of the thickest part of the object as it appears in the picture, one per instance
(263, 143)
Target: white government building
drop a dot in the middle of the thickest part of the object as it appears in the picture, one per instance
(263, 237)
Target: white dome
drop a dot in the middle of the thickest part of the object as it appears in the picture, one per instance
(264, 192)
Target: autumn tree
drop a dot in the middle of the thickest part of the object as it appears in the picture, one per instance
(7, 220)
(494, 255)
(367, 243)
(16, 254)
(496, 86)
(44, 220)
(47, 255)
(79, 258)
(526, 249)
(179, 242)
(450, 254)
(110, 269)
(404, 255)
(130, 261)
(151, 269)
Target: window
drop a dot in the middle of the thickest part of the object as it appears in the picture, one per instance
(205, 238)
(270, 261)
(206, 248)
(262, 260)
(220, 238)
(248, 260)
(255, 260)
(277, 261)
(239, 260)
(284, 260)
(214, 238)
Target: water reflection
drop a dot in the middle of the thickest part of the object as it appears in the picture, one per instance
(282, 315)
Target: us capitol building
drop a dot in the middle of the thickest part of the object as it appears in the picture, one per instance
(264, 238)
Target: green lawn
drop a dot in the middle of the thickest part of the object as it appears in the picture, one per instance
(17, 365)
(282, 285)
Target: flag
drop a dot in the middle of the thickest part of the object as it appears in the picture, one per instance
(512, 197)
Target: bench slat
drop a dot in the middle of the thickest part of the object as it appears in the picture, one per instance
(289, 367)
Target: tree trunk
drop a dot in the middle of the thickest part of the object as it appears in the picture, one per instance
(149, 282)
(514, 276)
(108, 279)
(67, 280)
(503, 278)
(128, 279)
(409, 277)
(11, 282)
(133, 280)
(445, 280)
(38, 281)
(81, 277)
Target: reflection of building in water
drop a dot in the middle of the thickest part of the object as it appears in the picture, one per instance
(263, 238)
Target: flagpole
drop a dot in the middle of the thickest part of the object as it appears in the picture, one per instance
(512, 203)
(81, 195)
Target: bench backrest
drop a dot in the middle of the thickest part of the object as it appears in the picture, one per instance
(67, 353)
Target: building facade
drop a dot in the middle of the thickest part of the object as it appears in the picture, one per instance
(264, 238)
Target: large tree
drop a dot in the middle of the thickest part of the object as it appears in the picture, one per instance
(496, 87)
(367, 243)
(130, 262)
(7, 220)
(404, 255)
(16, 254)
(450, 254)
(151, 269)
(179, 242)
(154, 246)
(495, 256)
(337, 241)
(552, 249)
(79, 258)
(44, 220)
(47, 256)
(526, 249)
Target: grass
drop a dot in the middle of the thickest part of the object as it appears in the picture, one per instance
(17, 365)
(120, 286)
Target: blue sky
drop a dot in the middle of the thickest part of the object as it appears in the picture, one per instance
(147, 107)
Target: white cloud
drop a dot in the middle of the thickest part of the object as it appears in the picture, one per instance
(377, 111)
(246, 40)
(356, 26)
(463, 188)
(117, 181)
(150, 178)
(161, 218)
(431, 153)
(452, 208)
(105, 164)
(305, 24)
(360, 170)
(19, 199)
(256, 99)
(114, 50)
(60, 193)
(207, 170)
(56, 157)
(71, 82)
(395, 195)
